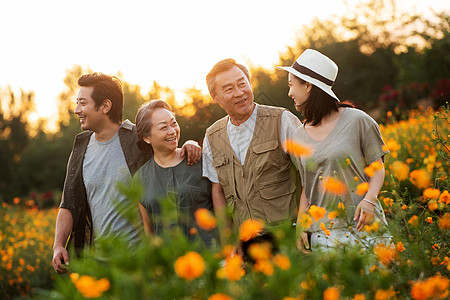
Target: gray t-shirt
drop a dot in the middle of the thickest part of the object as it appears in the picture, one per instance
(104, 166)
(354, 143)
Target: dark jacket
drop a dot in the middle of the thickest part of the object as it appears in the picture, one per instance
(74, 193)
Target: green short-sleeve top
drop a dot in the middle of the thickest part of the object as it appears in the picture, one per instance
(186, 191)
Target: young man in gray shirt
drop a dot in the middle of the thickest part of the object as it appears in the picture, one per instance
(103, 155)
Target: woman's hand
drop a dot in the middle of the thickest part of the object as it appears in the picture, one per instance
(365, 213)
(193, 151)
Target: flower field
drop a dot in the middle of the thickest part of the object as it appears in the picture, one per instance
(414, 265)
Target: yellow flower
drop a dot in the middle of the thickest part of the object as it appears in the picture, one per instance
(233, 268)
(317, 212)
(362, 188)
(324, 228)
(250, 229)
(334, 186)
(400, 247)
(190, 266)
(260, 251)
(305, 221)
(386, 254)
(341, 206)
(420, 178)
(88, 286)
(219, 296)
(401, 170)
(282, 261)
(205, 219)
(264, 266)
(445, 197)
(331, 293)
(372, 227)
(296, 149)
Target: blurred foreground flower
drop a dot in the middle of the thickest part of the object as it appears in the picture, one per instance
(420, 178)
(331, 293)
(260, 251)
(282, 261)
(334, 186)
(296, 149)
(250, 229)
(435, 287)
(384, 294)
(401, 170)
(317, 212)
(305, 221)
(205, 219)
(362, 188)
(232, 269)
(220, 297)
(88, 286)
(264, 266)
(190, 266)
(372, 168)
(444, 221)
(386, 254)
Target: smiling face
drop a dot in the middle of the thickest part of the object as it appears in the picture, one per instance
(91, 117)
(165, 132)
(299, 91)
(233, 92)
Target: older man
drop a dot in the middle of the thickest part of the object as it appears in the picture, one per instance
(243, 153)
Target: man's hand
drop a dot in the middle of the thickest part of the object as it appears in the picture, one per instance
(193, 151)
(302, 243)
(60, 260)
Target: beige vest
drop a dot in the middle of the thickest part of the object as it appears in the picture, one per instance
(265, 187)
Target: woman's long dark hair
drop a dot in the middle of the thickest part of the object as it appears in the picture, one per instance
(319, 105)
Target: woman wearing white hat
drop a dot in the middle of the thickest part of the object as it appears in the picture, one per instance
(344, 141)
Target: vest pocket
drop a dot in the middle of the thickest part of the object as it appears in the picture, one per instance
(220, 163)
(277, 198)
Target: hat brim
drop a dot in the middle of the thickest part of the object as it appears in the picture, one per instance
(318, 83)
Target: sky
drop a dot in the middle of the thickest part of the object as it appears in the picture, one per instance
(175, 42)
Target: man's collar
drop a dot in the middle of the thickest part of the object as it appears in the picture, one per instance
(127, 125)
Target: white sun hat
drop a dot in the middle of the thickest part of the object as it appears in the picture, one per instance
(316, 68)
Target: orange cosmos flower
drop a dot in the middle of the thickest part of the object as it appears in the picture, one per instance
(250, 229)
(341, 206)
(219, 296)
(386, 254)
(359, 297)
(413, 221)
(429, 220)
(372, 168)
(16, 200)
(401, 170)
(324, 228)
(264, 266)
(444, 221)
(317, 212)
(282, 261)
(190, 266)
(260, 251)
(334, 186)
(420, 178)
(296, 149)
(305, 221)
(233, 269)
(435, 287)
(430, 193)
(391, 145)
(388, 202)
(205, 219)
(404, 206)
(331, 293)
(432, 205)
(400, 247)
(88, 286)
(362, 188)
(445, 197)
(384, 294)
(372, 227)
(333, 214)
